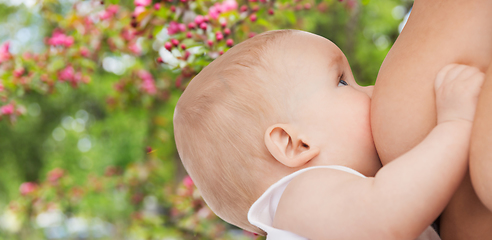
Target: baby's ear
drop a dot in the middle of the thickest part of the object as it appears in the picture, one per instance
(285, 145)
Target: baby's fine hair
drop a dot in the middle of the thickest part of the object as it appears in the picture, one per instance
(220, 122)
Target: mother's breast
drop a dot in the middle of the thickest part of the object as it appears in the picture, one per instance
(438, 32)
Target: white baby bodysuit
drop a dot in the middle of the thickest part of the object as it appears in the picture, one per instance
(262, 211)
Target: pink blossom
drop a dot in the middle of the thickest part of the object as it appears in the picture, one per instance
(134, 48)
(142, 2)
(175, 42)
(175, 27)
(1, 87)
(253, 17)
(66, 74)
(223, 23)
(88, 22)
(128, 34)
(203, 25)
(55, 174)
(219, 8)
(76, 79)
(168, 46)
(214, 11)
(18, 72)
(4, 52)
(191, 25)
(188, 182)
(7, 109)
(103, 15)
(59, 38)
(351, 4)
(229, 5)
(113, 9)
(148, 83)
(27, 187)
(149, 87)
(118, 87)
(157, 6)
(199, 19)
(148, 149)
(84, 52)
(219, 36)
(144, 75)
(138, 10)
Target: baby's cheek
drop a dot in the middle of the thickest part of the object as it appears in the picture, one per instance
(362, 121)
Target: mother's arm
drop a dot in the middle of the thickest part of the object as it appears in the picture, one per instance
(481, 144)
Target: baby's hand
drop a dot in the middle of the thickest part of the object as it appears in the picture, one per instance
(457, 87)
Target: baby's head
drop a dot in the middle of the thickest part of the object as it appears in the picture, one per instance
(274, 104)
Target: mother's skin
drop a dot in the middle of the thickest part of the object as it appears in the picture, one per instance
(438, 32)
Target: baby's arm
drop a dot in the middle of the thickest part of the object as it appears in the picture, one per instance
(406, 195)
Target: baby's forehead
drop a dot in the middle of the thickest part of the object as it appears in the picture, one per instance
(306, 49)
(317, 55)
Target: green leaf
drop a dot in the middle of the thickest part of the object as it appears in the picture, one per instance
(86, 63)
(263, 22)
(56, 64)
(291, 17)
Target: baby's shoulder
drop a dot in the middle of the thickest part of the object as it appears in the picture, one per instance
(320, 178)
(314, 197)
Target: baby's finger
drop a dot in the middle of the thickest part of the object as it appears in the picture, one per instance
(447, 73)
(442, 74)
(468, 72)
(455, 71)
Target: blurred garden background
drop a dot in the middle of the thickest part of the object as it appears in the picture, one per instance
(87, 94)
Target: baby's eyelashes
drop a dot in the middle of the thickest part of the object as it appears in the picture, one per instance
(342, 83)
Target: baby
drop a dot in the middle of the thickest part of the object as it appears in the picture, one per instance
(276, 136)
